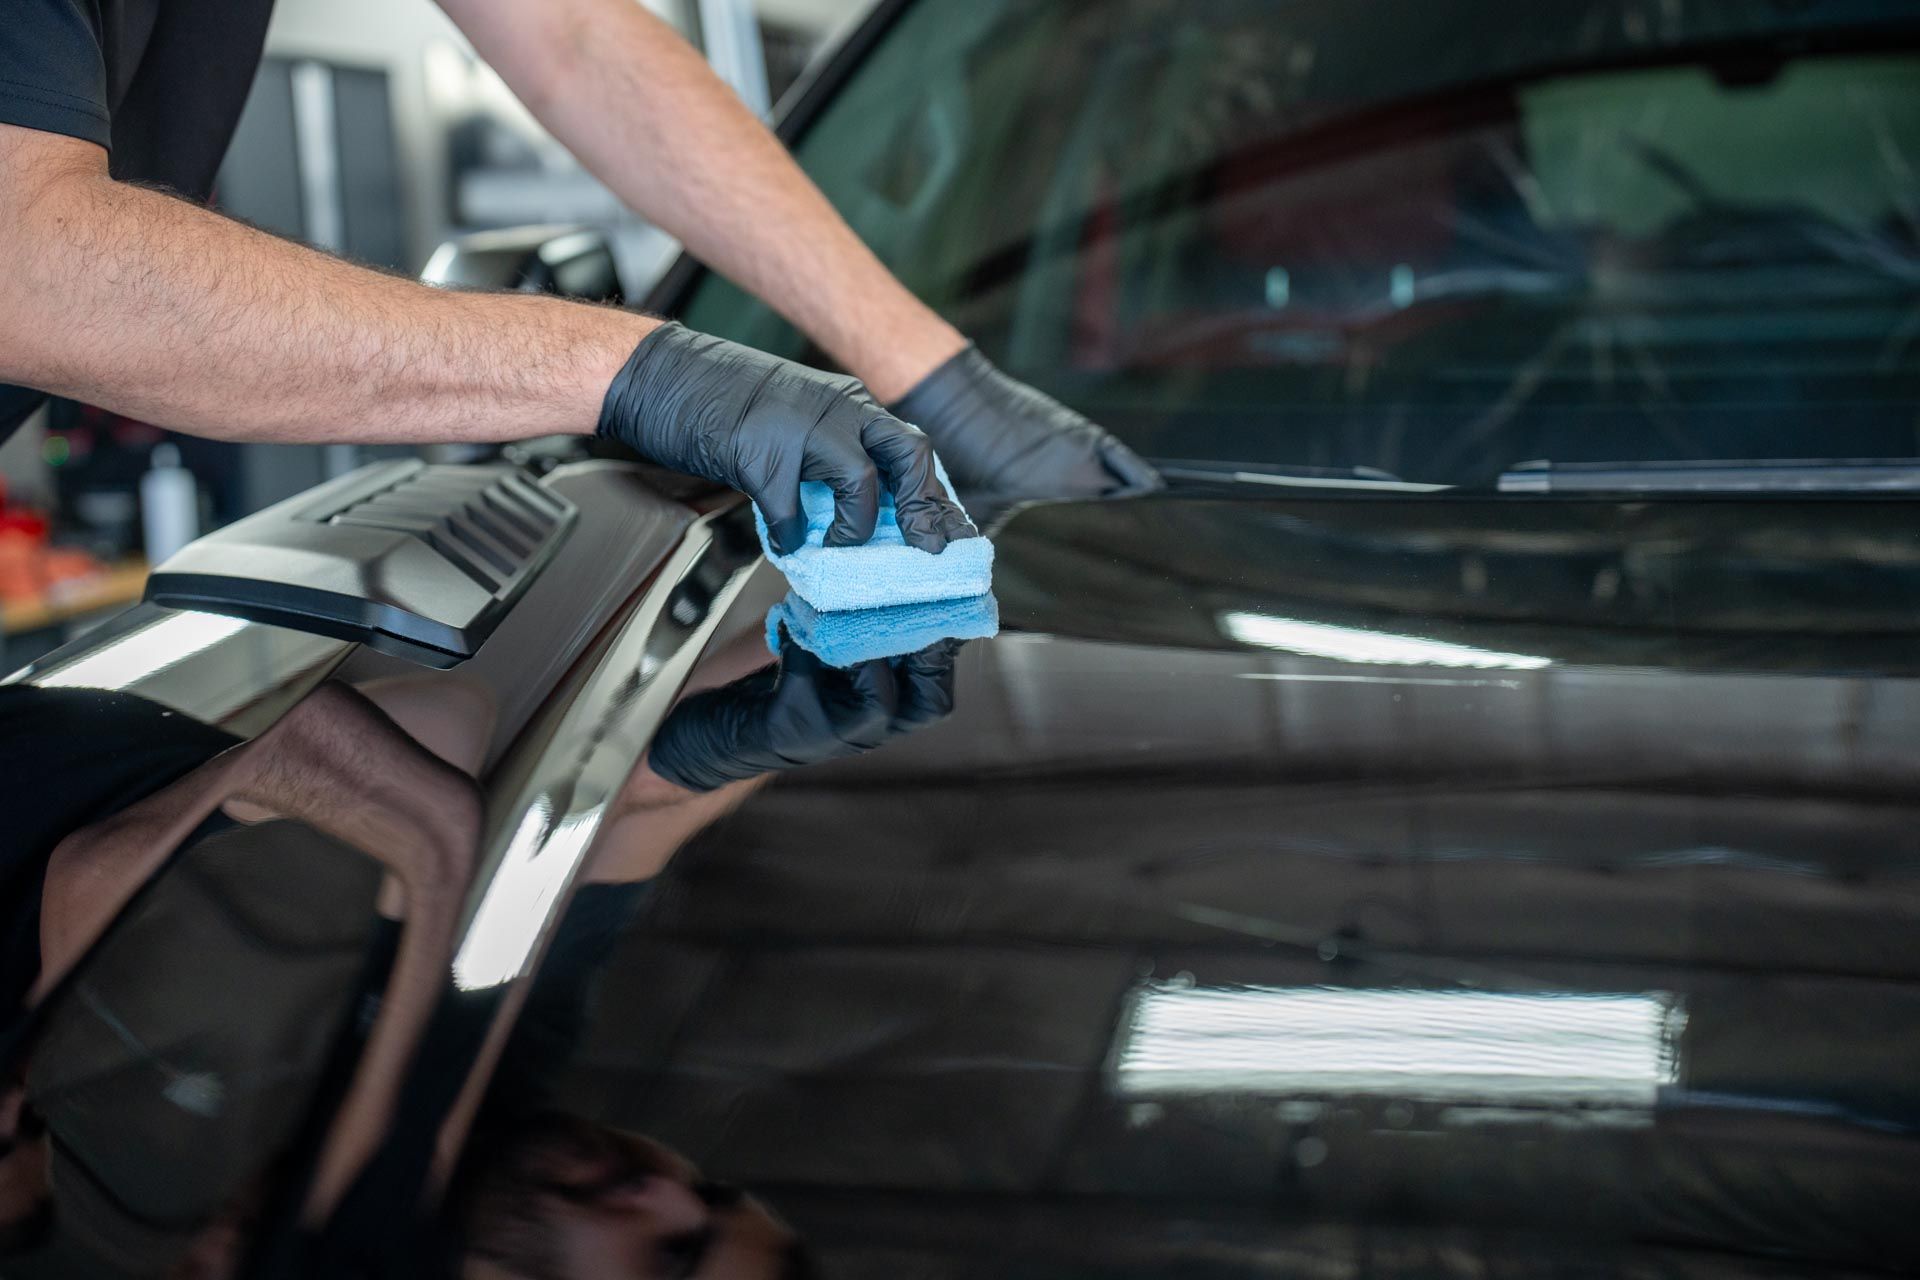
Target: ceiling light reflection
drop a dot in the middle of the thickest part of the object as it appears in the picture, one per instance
(142, 653)
(1357, 644)
(1608, 1050)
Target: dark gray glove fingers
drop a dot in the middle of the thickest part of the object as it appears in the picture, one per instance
(835, 457)
(777, 494)
(797, 662)
(1134, 472)
(704, 743)
(800, 725)
(679, 761)
(863, 719)
(926, 686)
(1004, 439)
(929, 518)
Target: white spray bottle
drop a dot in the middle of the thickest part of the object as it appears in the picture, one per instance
(169, 504)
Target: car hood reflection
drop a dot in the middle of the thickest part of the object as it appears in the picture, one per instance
(201, 946)
(1296, 874)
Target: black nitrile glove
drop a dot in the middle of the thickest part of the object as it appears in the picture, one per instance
(801, 712)
(759, 424)
(1004, 440)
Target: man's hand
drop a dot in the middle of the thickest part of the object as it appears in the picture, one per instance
(760, 424)
(801, 712)
(602, 74)
(1006, 441)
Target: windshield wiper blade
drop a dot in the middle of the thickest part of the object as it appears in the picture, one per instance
(1784, 475)
(1362, 479)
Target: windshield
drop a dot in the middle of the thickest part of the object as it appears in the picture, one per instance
(1439, 241)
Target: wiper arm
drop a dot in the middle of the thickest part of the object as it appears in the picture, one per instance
(1362, 479)
(1784, 475)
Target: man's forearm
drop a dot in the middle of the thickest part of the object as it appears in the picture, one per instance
(641, 109)
(164, 311)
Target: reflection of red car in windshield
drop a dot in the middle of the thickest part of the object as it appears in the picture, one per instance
(1371, 231)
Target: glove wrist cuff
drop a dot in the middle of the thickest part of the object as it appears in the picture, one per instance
(933, 396)
(621, 408)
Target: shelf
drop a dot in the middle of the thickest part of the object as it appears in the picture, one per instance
(118, 586)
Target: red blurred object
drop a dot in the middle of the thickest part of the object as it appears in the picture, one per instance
(19, 520)
(29, 568)
(19, 566)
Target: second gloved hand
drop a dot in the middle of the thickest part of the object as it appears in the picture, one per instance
(801, 712)
(1003, 440)
(759, 424)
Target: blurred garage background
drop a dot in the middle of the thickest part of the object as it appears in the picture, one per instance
(372, 131)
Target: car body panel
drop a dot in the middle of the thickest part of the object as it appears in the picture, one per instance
(896, 993)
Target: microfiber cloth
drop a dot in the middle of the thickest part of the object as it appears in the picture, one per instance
(882, 571)
(852, 636)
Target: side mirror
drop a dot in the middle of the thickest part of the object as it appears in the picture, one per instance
(574, 262)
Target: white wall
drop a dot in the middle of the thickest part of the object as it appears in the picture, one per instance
(392, 35)
(426, 61)
(821, 16)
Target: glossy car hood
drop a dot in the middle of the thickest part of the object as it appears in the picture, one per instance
(1310, 884)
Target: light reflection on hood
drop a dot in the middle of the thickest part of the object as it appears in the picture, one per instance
(1548, 1047)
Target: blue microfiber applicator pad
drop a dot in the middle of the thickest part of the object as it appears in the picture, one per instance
(882, 571)
(852, 636)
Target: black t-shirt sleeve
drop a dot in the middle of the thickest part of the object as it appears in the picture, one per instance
(53, 75)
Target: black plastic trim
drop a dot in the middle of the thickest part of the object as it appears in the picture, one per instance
(421, 562)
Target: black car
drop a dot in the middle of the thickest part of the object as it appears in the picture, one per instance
(1468, 825)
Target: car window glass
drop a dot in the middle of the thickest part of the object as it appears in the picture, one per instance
(1287, 236)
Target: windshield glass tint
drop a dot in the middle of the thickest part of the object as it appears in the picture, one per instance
(1441, 240)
